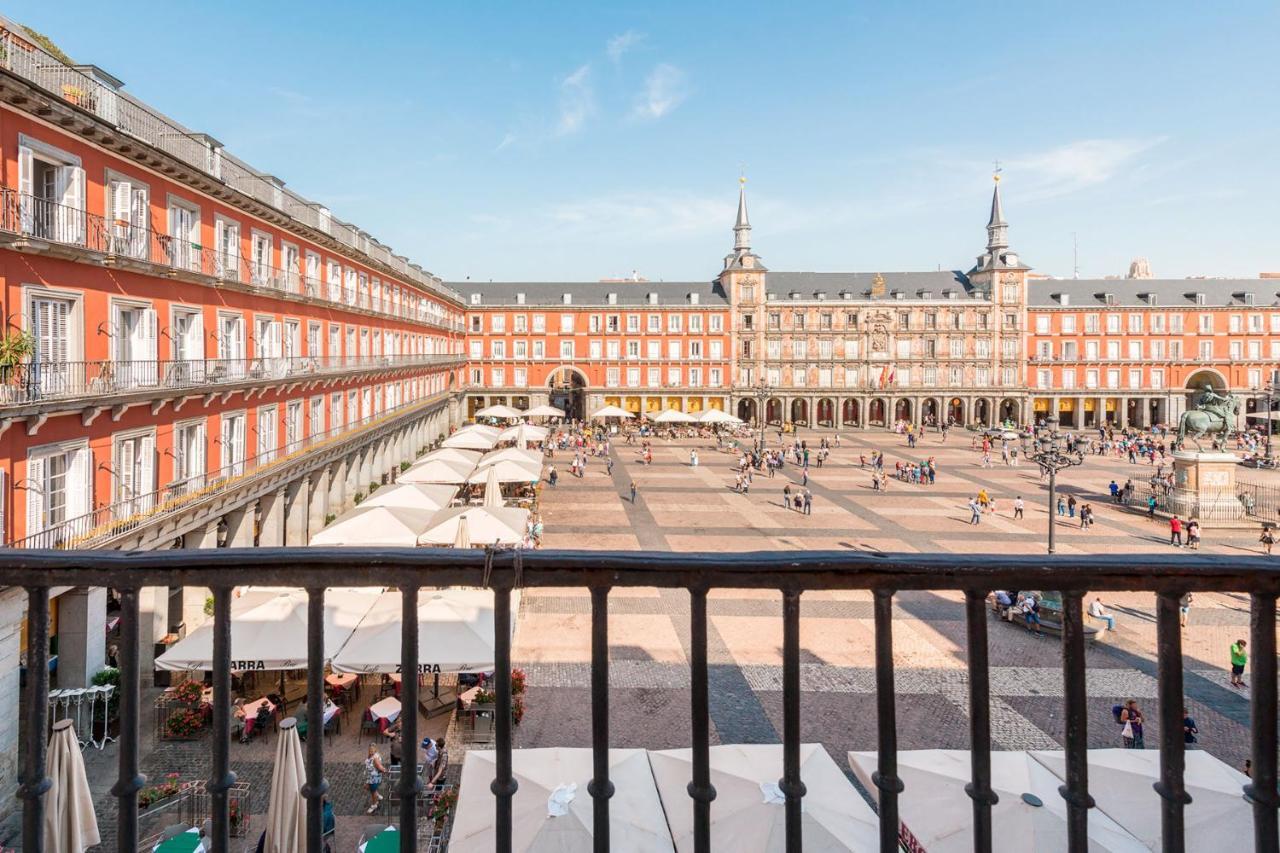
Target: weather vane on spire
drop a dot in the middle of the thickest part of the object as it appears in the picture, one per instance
(995, 176)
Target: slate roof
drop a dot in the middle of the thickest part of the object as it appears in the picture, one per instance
(548, 293)
(911, 284)
(1168, 292)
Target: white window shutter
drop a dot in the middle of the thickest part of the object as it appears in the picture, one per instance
(35, 495)
(126, 488)
(4, 538)
(149, 323)
(79, 488)
(197, 468)
(121, 201)
(26, 184)
(73, 199)
(147, 468)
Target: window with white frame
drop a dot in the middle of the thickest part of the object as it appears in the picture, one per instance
(293, 426)
(336, 413)
(633, 377)
(1091, 379)
(315, 417)
(520, 377)
(232, 442)
(51, 192)
(566, 324)
(134, 470)
(231, 345)
(673, 349)
(520, 323)
(653, 349)
(715, 323)
(566, 349)
(268, 437)
(1206, 324)
(58, 486)
(1069, 378)
(653, 377)
(1113, 379)
(1113, 324)
(539, 349)
(1176, 324)
(1135, 378)
(1068, 322)
(260, 260)
(184, 235)
(226, 242)
(498, 323)
(498, 377)
(520, 349)
(539, 322)
(674, 376)
(498, 349)
(291, 264)
(611, 377)
(189, 466)
(54, 321)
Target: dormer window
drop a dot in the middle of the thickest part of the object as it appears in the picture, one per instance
(566, 298)
(693, 298)
(924, 294)
(1198, 298)
(613, 299)
(844, 294)
(1062, 298)
(475, 299)
(795, 294)
(653, 299)
(820, 295)
(519, 298)
(1150, 298)
(950, 294)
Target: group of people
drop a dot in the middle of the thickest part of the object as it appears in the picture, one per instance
(432, 756)
(801, 499)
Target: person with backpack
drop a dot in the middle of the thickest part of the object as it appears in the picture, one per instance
(1189, 730)
(1130, 718)
(1031, 614)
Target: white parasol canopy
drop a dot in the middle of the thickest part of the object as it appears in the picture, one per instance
(462, 536)
(452, 454)
(455, 633)
(286, 810)
(436, 471)
(716, 416)
(485, 526)
(524, 434)
(498, 412)
(413, 496)
(936, 812)
(748, 812)
(552, 811)
(611, 412)
(515, 454)
(672, 416)
(471, 438)
(1120, 781)
(492, 491)
(70, 825)
(544, 411)
(508, 471)
(376, 525)
(272, 634)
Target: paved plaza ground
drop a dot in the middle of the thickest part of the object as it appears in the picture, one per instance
(683, 508)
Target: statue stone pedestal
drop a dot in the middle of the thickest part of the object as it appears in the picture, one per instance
(1205, 488)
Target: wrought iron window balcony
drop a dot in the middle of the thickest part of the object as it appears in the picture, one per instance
(70, 383)
(791, 573)
(119, 242)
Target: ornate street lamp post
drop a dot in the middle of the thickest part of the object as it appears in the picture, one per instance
(762, 392)
(1049, 449)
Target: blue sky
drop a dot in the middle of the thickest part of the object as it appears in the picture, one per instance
(586, 140)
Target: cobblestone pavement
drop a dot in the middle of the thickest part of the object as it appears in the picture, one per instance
(682, 508)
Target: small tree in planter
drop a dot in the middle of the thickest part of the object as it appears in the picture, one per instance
(16, 348)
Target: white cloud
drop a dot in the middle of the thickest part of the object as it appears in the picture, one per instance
(1078, 165)
(656, 215)
(664, 90)
(507, 140)
(619, 45)
(577, 101)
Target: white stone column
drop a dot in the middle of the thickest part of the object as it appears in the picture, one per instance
(318, 500)
(337, 488)
(353, 481)
(194, 597)
(82, 635)
(13, 607)
(153, 619)
(271, 527)
(240, 527)
(295, 523)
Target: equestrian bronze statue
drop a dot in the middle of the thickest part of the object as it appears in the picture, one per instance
(1214, 414)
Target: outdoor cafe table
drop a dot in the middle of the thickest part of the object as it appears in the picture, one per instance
(341, 680)
(251, 713)
(385, 712)
(387, 841)
(184, 842)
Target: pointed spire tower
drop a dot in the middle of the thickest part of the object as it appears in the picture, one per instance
(742, 257)
(997, 256)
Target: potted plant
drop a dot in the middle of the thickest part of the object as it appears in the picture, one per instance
(153, 794)
(189, 693)
(16, 348)
(443, 806)
(185, 724)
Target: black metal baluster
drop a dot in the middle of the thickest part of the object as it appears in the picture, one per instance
(221, 778)
(979, 789)
(410, 783)
(886, 777)
(700, 788)
(1076, 789)
(1172, 758)
(130, 780)
(600, 788)
(790, 782)
(503, 786)
(34, 781)
(316, 786)
(1261, 792)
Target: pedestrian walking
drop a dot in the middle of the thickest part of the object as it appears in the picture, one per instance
(1189, 729)
(786, 496)
(1239, 658)
(975, 511)
(1062, 506)
(552, 476)
(1184, 609)
(1031, 614)
(1175, 531)
(1151, 507)
(1268, 538)
(808, 502)
(1131, 720)
(1193, 535)
(1071, 506)
(1017, 507)
(633, 491)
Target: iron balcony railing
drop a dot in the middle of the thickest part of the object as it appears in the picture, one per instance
(120, 240)
(21, 56)
(791, 573)
(52, 381)
(120, 517)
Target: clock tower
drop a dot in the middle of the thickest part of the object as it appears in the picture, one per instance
(743, 281)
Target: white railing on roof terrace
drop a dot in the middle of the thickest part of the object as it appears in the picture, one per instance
(26, 59)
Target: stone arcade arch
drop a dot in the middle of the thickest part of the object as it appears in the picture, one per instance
(849, 413)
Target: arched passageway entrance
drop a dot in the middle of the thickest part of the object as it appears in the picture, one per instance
(849, 413)
(773, 411)
(955, 411)
(902, 411)
(800, 412)
(1009, 411)
(982, 412)
(929, 410)
(568, 391)
(876, 412)
(826, 414)
(747, 411)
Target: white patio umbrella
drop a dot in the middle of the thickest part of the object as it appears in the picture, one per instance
(428, 497)
(70, 825)
(935, 811)
(1120, 782)
(452, 454)
(492, 491)
(498, 412)
(508, 471)
(716, 416)
(544, 411)
(672, 416)
(524, 434)
(436, 471)
(552, 811)
(485, 525)
(462, 536)
(286, 809)
(376, 525)
(272, 635)
(455, 633)
(516, 454)
(470, 439)
(748, 812)
(611, 412)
